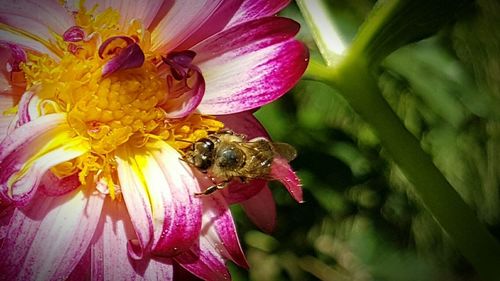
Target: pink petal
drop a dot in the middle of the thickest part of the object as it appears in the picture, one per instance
(47, 239)
(216, 212)
(255, 9)
(250, 65)
(204, 261)
(6, 212)
(136, 198)
(261, 209)
(38, 145)
(51, 185)
(6, 102)
(129, 9)
(109, 255)
(177, 213)
(215, 23)
(182, 20)
(28, 108)
(244, 123)
(237, 191)
(281, 170)
(40, 18)
(27, 43)
(82, 271)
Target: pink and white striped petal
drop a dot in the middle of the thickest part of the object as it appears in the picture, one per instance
(261, 210)
(45, 18)
(250, 65)
(6, 102)
(215, 23)
(182, 20)
(171, 187)
(255, 9)
(48, 228)
(30, 151)
(136, 197)
(30, 42)
(109, 255)
(221, 230)
(205, 261)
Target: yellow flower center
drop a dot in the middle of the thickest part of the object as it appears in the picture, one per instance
(123, 108)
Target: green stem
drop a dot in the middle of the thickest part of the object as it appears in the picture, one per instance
(353, 79)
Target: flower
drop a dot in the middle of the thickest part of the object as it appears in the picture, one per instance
(99, 102)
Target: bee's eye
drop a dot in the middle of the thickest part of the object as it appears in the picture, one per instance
(204, 145)
(202, 162)
(230, 157)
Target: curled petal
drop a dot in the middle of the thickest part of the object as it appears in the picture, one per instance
(109, 255)
(74, 34)
(18, 55)
(51, 185)
(28, 108)
(204, 261)
(180, 63)
(186, 95)
(281, 170)
(126, 54)
(250, 65)
(30, 150)
(261, 210)
(48, 228)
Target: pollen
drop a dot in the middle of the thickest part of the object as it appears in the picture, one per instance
(108, 111)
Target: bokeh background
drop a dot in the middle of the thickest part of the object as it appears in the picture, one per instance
(360, 220)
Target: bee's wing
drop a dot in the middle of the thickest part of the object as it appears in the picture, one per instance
(285, 150)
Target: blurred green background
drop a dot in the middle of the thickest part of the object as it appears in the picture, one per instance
(360, 220)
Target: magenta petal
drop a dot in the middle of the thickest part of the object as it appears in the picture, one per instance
(237, 191)
(17, 56)
(109, 255)
(281, 170)
(82, 271)
(217, 212)
(250, 65)
(46, 240)
(74, 34)
(261, 209)
(51, 185)
(254, 9)
(204, 261)
(130, 57)
(244, 123)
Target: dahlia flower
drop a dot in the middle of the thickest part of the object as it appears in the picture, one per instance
(99, 102)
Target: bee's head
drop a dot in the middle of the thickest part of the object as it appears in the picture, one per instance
(202, 154)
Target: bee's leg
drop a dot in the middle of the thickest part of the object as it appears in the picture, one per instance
(213, 188)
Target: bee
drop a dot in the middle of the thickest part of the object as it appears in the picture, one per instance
(225, 156)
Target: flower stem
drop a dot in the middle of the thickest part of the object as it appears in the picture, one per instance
(353, 79)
